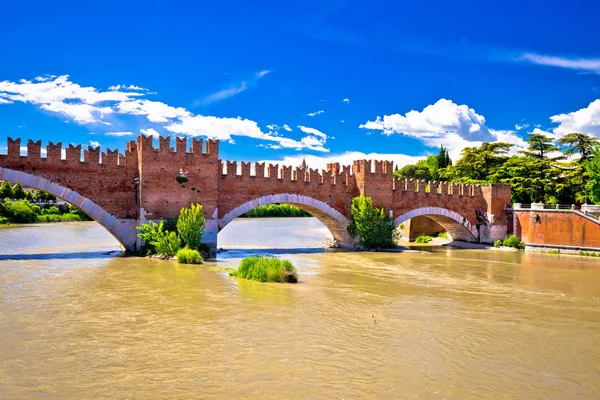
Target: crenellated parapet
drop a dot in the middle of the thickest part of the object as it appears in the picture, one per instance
(435, 187)
(54, 154)
(282, 173)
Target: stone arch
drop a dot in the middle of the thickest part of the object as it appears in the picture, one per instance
(125, 233)
(331, 218)
(457, 225)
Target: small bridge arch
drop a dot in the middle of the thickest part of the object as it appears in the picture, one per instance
(335, 221)
(125, 233)
(455, 224)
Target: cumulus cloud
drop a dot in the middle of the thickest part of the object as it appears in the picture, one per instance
(576, 63)
(59, 95)
(312, 114)
(94, 143)
(150, 132)
(88, 105)
(346, 100)
(585, 120)
(442, 123)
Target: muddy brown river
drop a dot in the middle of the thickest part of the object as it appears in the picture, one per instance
(77, 322)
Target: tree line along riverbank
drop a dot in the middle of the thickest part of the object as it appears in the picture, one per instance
(20, 206)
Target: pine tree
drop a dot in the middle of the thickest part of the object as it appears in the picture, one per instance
(579, 143)
(443, 158)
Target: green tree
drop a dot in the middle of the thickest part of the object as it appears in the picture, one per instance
(372, 226)
(535, 177)
(6, 191)
(478, 163)
(443, 159)
(592, 167)
(427, 169)
(539, 146)
(190, 225)
(578, 143)
(18, 192)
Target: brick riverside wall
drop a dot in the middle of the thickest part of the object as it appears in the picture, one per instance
(219, 187)
(558, 228)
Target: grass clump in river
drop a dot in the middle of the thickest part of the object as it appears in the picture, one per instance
(266, 269)
(188, 256)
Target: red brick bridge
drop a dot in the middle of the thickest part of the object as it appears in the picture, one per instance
(120, 191)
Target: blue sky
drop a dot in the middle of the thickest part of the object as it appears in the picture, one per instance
(325, 80)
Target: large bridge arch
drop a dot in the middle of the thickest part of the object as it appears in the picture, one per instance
(125, 233)
(335, 221)
(457, 225)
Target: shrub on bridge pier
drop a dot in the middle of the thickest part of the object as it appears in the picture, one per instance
(371, 225)
(190, 225)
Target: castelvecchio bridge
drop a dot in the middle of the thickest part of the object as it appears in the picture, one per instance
(121, 191)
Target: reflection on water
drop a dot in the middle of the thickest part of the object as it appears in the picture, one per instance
(452, 324)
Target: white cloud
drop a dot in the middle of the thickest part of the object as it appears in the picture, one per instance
(346, 100)
(585, 120)
(59, 95)
(576, 63)
(521, 126)
(225, 93)
(442, 123)
(150, 132)
(119, 133)
(154, 111)
(86, 105)
(312, 131)
(273, 127)
(130, 87)
(22, 126)
(342, 121)
(94, 143)
(315, 113)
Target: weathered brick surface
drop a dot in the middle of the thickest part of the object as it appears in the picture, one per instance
(109, 181)
(559, 228)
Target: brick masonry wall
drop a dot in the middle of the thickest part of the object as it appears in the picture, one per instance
(559, 228)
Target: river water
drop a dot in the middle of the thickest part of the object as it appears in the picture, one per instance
(77, 322)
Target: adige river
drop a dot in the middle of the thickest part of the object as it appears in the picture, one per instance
(77, 322)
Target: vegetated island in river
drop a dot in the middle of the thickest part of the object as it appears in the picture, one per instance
(266, 269)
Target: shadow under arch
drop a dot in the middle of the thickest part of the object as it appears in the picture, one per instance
(331, 218)
(456, 225)
(124, 233)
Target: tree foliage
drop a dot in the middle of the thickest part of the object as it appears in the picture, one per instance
(579, 143)
(6, 191)
(18, 192)
(372, 226)
(190, 225)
